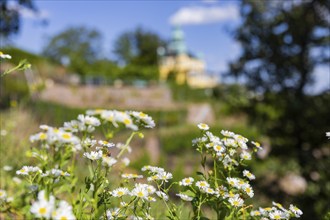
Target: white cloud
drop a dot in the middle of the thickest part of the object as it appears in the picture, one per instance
(30, 14)
(195, 15)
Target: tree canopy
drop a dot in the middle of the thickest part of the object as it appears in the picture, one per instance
(282, 44)
(138, 47)
(10, 17)
(76, 47)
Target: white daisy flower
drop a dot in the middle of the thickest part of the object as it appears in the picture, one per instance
(153, 169)
(203, 126)
(165, 176)
(227, 133)
(89, 120)
(119, 192)
(93, 155)
(245, 155)
(43, 207)
(277, 214)
(7, 168)
(140, 191)
(3, 194)
(202, 184)
(25, 170)
(131, 176)
(63, 212)
(185, 197)
(233, 181)
(126, 161)
(296, 211)
(162, 195)
(147, 121)
(4, 56)
(209, 190)
(106, 144)
(112, 213)
(108, 161)
(186, 181)
(236, 201)
(219, 148)
(248, 174)
(249, 191)
(229, 142)
(257, 145)
(255, 213)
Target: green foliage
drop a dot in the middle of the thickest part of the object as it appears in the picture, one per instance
(136, 72)
(13, 88)
(10, 17)
(280, 54)
(52, 113)
(138, 47)
(279, 51)
(79, 47)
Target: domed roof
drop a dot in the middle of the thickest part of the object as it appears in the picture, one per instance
(177, 44)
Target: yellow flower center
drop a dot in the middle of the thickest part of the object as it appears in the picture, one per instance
(142, 115)
(43, 136)
(187, 181)
(63, 218)
(42, 210)
(127, 121)
(140, 194)
(277, 217)
(120, 193)
(66, 136)
(235, 203)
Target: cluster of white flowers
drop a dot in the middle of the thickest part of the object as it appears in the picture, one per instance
(55, 173)
(185, 197)
(26, 170)
(143, 191)
(157, 173)
(277, 212)
(130, 119)
(51, 135)
(93, 155)
(131, 176)
(143, 119)
(84, 123)
(46, 208)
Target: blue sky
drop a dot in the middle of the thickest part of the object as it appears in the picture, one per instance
(206, 24)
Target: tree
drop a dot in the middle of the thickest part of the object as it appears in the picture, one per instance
(278, 44)
(78, 47)
(10, 18)
(138, 47)
(283, 42)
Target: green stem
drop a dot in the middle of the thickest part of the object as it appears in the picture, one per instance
(126, 145)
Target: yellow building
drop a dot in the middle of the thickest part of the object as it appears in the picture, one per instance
(184, 67)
